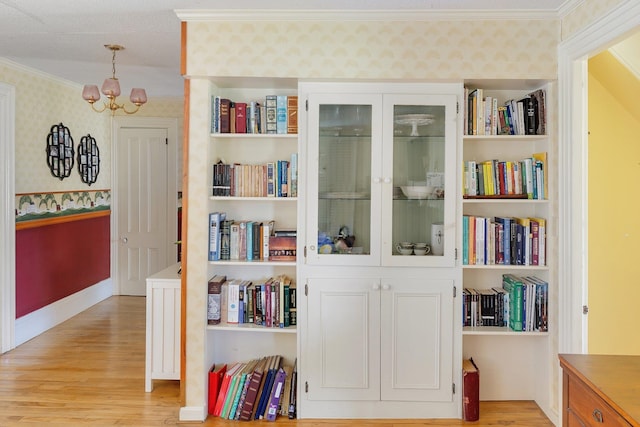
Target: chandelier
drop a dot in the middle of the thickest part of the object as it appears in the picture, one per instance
(111, 89)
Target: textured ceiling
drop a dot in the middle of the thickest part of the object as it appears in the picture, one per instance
(66, 38)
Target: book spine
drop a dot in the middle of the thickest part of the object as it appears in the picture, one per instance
(292, 114)
(281, 114)
(274, 401)
(271, 114)
(241, 117)
(233, 300)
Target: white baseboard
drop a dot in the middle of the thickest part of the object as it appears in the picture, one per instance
(192, 413)
(33, 324)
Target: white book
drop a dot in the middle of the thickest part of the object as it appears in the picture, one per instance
(234, 241)
(233, 301)
(480, 241)
(266, 232)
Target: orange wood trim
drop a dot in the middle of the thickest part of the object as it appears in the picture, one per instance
(184, 237)
(60, 220)
(183, 49)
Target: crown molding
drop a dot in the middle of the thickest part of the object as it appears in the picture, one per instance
(37, 73)
(367, 15)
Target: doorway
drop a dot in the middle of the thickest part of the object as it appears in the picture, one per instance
(573, 55)
(144, 200)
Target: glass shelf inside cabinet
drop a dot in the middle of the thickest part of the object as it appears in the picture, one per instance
(418, 177)
(344, 179)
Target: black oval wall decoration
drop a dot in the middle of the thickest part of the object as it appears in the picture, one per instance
(60, 151)
(88, 159)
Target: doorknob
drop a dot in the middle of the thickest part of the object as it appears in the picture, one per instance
(124, 240)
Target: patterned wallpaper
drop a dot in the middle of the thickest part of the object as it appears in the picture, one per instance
(42, 101)
(585, 14)
(53, 205)
(375, 49)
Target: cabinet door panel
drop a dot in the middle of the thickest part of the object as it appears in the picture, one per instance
(343, 167)
(419, 153)
(417, 360)
(344, 339)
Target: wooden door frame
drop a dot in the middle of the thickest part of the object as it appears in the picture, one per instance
(8, 221)
(573, 56)
(171, 125)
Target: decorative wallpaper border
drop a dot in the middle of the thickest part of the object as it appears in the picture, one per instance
(50, 205)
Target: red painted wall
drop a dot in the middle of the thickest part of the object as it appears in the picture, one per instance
(58, 260)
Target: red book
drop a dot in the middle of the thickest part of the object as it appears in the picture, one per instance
(241, 117)
(470, 391)
(225, 118)
(216, 375)
(222, 394)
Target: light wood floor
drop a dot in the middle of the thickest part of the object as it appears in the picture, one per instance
(90, 371)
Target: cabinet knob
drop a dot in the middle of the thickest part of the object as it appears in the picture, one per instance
(376, 286)
(377, 180)
(312, 248)
(387, 180)
(386, 287)
(597, 415)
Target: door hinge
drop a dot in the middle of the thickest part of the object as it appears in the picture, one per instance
(585, 309)
(457, 107)
(306, 387)
(456, 254)
(166, 141)
(306, 105)
(454, 388)
(306, 290)
(455, 291)
(305, 251)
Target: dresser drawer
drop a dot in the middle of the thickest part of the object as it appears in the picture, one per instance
(590, 408)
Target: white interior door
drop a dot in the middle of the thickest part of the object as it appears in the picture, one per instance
(142, 206)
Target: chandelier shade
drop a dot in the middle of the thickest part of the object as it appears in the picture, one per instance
(111, 89)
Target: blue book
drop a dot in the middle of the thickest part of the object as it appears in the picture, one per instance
(276, 394)
(264, 397)
(250, 238)
(215, 219)
(281, 114)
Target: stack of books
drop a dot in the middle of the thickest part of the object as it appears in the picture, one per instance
(258, 389)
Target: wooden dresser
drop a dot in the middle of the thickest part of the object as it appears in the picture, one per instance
(600, 390)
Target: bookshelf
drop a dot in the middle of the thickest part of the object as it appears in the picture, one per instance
(515, 365)
(227, 343)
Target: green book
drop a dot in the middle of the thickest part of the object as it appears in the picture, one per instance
(236, 398)
(514, 286)
(228, 401)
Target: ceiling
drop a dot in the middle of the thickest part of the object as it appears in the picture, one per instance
(66, 38)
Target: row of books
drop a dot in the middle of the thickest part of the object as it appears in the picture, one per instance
(521, 304)
(505, 178)
(271, 179)
(277, 114)
(270, 303)
(249, 240)
(258, 389)
(503, 240)
(486, 115)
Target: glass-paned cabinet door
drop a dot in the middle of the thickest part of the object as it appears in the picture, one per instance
(344, 188)
(419, 153)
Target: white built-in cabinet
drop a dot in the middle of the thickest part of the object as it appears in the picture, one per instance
(379, 331)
